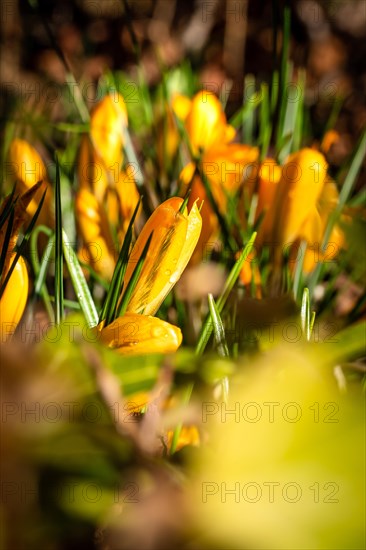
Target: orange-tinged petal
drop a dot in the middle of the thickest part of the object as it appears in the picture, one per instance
(269, 177)
(312, 228)
(92, 172)
(106, 123)
(26, 164)
(206, 122)
(302, 180)
(28, 168)
(229, 165)
(128, 197)
(135, 334)
(98, 250)
(329, 139)
(14, 299)
(169, 229)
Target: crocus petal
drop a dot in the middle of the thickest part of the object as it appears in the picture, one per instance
(160, 271)
(181, 105)
(206, 122)
(135, 334)
(300, 186)
(28, 169)
(92, 172)
(106, 123)
(230, 165)
(312, 229)
(26, 163)
(13, 300)
(269, 177)
(98, 250)
(128, 196)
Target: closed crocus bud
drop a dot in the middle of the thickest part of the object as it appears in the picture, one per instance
(314, 227)
(14, 299)
(302, 180)
(206, 123)
(28, 168)
(175, 235)
(135, 334)
(106, 124)
(101, 155)
(98, 246)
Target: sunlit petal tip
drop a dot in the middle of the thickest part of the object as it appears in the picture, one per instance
(135, 334)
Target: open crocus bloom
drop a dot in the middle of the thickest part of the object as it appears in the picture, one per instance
(174, 236)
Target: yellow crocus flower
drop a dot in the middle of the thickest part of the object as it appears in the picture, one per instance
(224, 164)
(101, 155)
(206, 123)
(298, 191)
(174, 237)
(14, 298)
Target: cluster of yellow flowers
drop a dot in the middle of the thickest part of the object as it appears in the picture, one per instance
(293, 204)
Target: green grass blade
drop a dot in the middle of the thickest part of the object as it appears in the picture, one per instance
(10, 203)
(244, 116)
(79, 283)
(298, 270)
(21, 247)
(265, 128)
(305, 314)
(134, 279)
(40, 288)
(229, 285)
(109, 309)
(59, 264)
(176, 434)
(7, 237)
(218, 328)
